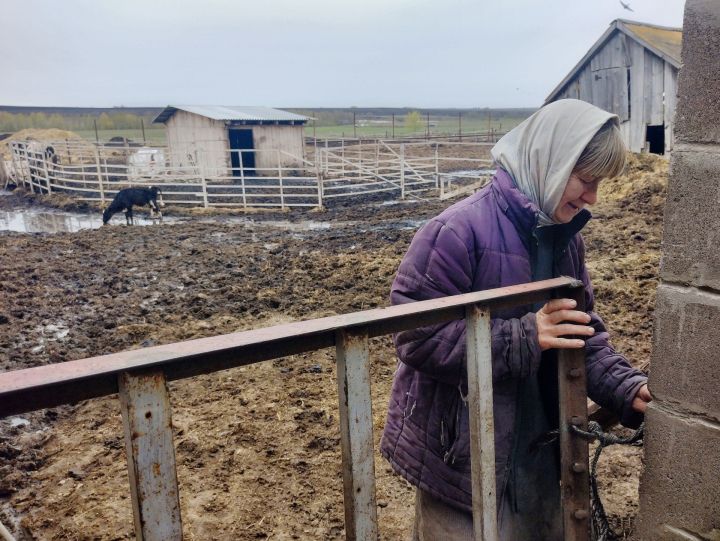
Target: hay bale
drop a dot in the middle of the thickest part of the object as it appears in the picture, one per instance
(51, 134)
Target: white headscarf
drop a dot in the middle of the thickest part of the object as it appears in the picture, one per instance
(541, 152)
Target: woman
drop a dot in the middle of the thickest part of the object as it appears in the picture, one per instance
(524, 226)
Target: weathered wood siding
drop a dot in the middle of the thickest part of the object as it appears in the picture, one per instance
(269, 139)
(208, 142)
(205, 139)
(626, 79)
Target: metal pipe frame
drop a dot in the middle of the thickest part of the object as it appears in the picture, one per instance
(140, 377)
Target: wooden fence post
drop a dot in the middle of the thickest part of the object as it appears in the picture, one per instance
(356, 437)
(145, 408)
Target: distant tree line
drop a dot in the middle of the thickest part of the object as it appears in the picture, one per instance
(413, 117)
(12, 122)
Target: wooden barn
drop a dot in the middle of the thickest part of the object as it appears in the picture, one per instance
(631, 71)
(241, 140)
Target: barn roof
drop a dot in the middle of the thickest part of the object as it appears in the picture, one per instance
(664, 41)
(233, 113)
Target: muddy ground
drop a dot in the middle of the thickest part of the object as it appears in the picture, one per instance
(257, 447)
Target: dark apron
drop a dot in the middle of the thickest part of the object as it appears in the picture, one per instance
(530, 509)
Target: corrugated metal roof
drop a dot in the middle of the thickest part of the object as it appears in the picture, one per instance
(666, 40)
(239, 113)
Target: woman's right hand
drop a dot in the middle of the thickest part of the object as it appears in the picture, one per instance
(556, 319)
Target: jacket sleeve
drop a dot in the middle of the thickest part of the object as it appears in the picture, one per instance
(439, 264)
(611, 381)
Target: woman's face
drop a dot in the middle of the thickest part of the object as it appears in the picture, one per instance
(579, 192)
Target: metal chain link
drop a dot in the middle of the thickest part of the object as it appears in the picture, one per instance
(601, 529)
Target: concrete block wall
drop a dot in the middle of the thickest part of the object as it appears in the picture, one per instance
(680, 485)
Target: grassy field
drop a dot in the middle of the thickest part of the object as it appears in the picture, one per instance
(367, 125)
(438, 126)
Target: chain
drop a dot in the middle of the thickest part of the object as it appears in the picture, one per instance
(600, 525)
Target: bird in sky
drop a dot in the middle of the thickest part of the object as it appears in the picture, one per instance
(626, 6)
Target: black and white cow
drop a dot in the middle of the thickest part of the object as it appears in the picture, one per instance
(126, 198)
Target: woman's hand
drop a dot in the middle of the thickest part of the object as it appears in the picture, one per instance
(642, 399)
(557, 318)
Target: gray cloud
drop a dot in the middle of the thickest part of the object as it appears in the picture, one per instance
(456, 53)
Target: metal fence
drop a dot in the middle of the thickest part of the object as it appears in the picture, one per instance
(140, 378)
(96, 172)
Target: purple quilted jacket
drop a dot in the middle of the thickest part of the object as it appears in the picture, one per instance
(480, 243)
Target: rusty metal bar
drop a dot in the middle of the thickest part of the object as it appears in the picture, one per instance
(48, 386)
(482, 424)
(574, 475)
(146, 415)
(356, 435)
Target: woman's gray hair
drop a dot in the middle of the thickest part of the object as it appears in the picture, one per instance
(605, 154)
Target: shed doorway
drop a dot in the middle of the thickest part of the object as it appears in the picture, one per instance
(655, 138)
(242, 140)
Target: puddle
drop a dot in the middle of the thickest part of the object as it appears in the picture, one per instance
(34, 221)
(46, 221)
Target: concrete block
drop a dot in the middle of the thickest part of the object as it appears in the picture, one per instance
(691, 240)
(698, 111)
(686, 349)
(680, 486)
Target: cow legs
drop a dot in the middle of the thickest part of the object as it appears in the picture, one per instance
(155, 213)
(129, 216)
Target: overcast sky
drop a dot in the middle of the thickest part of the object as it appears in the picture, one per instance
(300, 53)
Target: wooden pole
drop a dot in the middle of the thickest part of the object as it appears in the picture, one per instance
(393, 125)
(97, 138)
(142, 127)
(354, 126)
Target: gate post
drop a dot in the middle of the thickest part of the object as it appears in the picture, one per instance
(146, 415)
(574, 475)
(356, 437)
(482, 424)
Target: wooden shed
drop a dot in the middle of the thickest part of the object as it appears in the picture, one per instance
(631, 71)
(241, 140)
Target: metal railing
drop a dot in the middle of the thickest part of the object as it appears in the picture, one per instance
(140, 378)
(252, 177)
